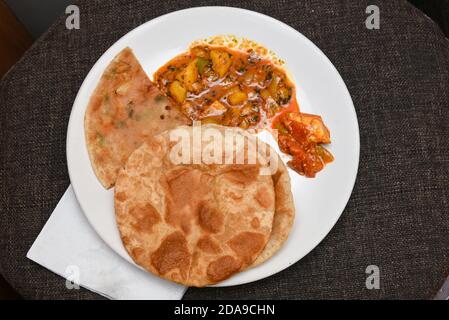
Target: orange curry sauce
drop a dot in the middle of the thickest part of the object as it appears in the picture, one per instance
(241, 89)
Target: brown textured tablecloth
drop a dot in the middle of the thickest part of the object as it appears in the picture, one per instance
(398, 215)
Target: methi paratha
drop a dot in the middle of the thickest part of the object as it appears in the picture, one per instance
(195, 224)
(125, 110)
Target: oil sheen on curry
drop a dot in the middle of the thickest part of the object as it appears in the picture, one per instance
(239, 83)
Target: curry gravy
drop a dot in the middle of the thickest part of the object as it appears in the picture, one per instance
(227, 87)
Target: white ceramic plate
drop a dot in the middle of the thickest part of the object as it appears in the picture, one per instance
(319, 202)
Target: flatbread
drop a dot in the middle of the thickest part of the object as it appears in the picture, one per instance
(125, 109)
(284, 214)
(195, 224)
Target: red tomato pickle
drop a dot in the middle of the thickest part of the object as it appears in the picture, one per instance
(301, 135)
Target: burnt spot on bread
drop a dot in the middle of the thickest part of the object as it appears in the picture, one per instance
(242, 173)
(264, 198)
(137, 254)
(210, 219)
(208, 245)
(255, 223)
(145, 218)
(186, 190)
(173, 253)
(120, 196)
(247, 245)
(222, 268)
(125, 240)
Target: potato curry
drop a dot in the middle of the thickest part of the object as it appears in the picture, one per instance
(242, 88)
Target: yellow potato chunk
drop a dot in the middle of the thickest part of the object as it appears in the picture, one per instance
(189, 75)
(248, 77)
(265, 94)
(221, 61)
(283, 93)
(237, 97)
(177, 91)
(273, 87)
(214, 109)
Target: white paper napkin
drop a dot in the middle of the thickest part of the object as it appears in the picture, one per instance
(68, 246)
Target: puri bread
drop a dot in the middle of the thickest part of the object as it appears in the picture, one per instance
(195, 224)
(284, 214)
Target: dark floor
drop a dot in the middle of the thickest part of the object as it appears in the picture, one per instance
(438, 10)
